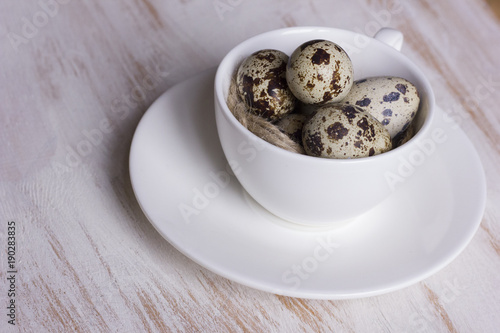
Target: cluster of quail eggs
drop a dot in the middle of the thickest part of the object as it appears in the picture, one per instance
(312, 97)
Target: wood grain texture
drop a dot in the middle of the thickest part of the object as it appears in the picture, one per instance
(88, 259)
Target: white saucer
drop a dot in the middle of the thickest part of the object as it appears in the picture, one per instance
(429, 219)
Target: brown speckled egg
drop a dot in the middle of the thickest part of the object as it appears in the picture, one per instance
(392, 100)
(319, 72)
(261, 81)
(306, 109)
(403, 136)
(344, 131)
(291, 125)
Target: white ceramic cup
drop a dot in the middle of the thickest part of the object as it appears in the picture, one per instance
(311, 190)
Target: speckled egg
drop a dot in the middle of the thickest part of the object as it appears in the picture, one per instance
(392, 100)
(291, 125)
(306, 109)
(319, 72)
(344, 131)
(403, 136)
(261, 82)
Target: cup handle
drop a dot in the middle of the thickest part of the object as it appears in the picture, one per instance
(391, 37)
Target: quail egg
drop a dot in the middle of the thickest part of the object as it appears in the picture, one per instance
(344, 131)
(403, 136)
(319, 72)
(306, 109)
(291, 125)
(392, 100)
(261, 82)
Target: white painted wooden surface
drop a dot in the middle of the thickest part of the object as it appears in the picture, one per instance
(76, 77)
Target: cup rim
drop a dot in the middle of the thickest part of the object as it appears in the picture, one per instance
(227, 62)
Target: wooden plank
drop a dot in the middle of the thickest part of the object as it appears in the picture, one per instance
(77, 77)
